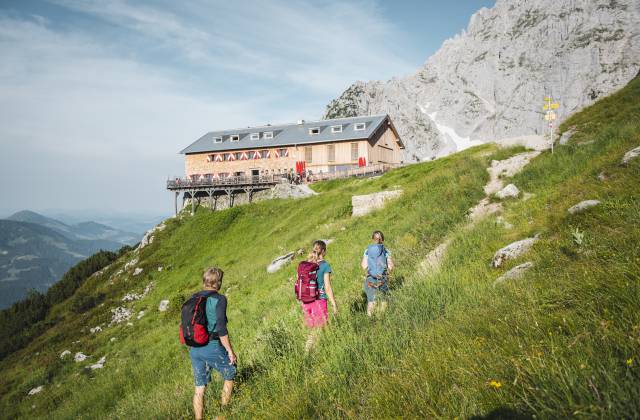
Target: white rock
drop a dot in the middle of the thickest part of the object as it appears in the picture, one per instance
(99, 364)
(65, 354)
(36, 390)
(515, 273)
(140, 314)
(433, 259)
(164, 305)
(113, 339)
(364, 204)
(132, 263)
(160, 268)
(120, 314)
(513, 250)
(148, 237)
(131, 296)
(79, 357)
(583, 205)
(129, 324)
(508, 191)
(137, 271)
(280, 262)
(483, 208)
(630, 155)
(95, 330)
(506, 168)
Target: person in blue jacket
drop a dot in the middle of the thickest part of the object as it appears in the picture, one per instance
(377, 264)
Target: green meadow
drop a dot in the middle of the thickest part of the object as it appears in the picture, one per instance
(562, 341)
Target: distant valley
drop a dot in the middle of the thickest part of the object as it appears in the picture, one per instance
(35, 250)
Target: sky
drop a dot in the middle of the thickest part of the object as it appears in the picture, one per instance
(98, 96)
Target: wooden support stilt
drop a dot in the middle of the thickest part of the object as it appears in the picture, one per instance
(175, 201)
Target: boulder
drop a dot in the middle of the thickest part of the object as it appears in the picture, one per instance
(364, 204)
(280, 262)
(630, 155)
(582, 206)
(140, 315)
(137, 271)
(508, 191)
(148, 237)
(433, 259)
(79, 357)
(36, 390)
(515, 273)
(95, 330)
(513, 250)
(164, 305)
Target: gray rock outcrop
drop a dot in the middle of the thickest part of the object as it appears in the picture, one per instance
(515, 273)
(630, 155)
(36, 390)
(510, 191)
(489, 81)
(79, 357)
(566, 136)
(280, 262)
(364, 204)
(582, 206)
(512, 251)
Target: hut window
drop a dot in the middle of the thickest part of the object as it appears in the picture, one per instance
(331, 153)
(217, 139)
(354, 151)
(235, 137)
(308, 154)
(359, 127)
(255, 136)
(336, 129)
(267, 135)
(314, 131)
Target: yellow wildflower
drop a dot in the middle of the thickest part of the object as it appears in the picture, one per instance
(630, 361)
(495, 384)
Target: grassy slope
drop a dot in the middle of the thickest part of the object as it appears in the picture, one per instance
(563, 340)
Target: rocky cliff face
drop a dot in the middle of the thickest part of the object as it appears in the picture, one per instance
(489, 82)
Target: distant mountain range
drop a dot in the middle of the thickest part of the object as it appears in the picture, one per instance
(35, 250)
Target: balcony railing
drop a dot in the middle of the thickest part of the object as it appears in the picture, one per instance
(230, 181)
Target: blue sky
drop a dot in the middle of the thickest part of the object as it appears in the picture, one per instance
(97, 97)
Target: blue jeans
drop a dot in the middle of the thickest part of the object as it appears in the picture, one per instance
(375, 293)
(211, 356)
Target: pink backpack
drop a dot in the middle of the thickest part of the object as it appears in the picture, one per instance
(307, 283)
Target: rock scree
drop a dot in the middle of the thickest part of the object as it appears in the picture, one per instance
(364, 204)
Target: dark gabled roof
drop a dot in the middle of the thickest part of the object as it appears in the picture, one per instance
(288, 134)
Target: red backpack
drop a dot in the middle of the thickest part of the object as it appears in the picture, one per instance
(193, 325)
(307, 283)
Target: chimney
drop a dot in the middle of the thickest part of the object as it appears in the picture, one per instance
(300, 122)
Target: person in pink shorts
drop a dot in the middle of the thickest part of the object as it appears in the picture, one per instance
(316, 312)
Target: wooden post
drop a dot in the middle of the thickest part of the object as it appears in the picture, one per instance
(175, 202)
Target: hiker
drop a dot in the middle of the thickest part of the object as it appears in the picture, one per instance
(377, 264)
(205, 331)
(313, 288)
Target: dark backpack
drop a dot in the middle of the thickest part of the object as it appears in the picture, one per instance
(193, 325)
(306, 287)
